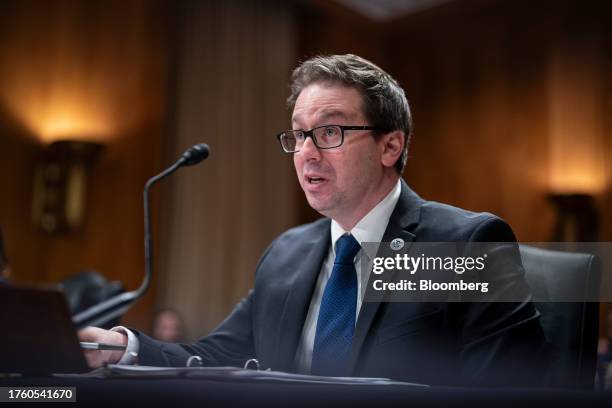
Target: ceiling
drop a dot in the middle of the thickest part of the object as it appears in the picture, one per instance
(385, 10)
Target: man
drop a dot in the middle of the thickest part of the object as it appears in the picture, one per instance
(306, 313)
(168, 326)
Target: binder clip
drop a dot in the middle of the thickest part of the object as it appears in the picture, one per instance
(250, 362)
(191, 359)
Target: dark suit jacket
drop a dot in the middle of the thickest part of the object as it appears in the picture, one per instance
(434, 343)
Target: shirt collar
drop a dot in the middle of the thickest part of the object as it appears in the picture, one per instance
(372, 226)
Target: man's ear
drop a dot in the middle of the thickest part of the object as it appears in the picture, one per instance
(392, 145)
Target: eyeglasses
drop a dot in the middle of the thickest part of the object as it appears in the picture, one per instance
(324, 137)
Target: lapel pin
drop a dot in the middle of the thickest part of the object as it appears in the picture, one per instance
(397, 244)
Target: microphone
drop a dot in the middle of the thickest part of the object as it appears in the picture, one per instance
(116, 306)
(195, 154)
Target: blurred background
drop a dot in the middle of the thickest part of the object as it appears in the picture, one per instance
(512, 103)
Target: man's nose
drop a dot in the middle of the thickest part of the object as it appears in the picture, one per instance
(309, 150)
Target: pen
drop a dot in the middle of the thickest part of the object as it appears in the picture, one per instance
(100, 346)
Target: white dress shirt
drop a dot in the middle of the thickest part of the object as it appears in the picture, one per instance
(370, 228)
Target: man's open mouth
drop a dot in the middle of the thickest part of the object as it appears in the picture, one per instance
(315, 180)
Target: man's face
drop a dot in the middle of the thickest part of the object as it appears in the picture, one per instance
(337, 182)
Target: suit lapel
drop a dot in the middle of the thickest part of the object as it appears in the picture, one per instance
(403, 220)
(298, 300)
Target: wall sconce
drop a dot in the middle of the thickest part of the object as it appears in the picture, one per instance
(577, 218)
(60, 185)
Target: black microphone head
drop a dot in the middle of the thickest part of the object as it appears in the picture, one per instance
(195, 154)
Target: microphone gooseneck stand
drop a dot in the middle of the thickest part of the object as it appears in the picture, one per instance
(116, 306)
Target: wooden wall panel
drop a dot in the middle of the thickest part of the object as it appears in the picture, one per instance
(478, 89)
(94, 70)
(221, 215)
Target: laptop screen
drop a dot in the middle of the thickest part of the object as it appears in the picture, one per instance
(38, 335)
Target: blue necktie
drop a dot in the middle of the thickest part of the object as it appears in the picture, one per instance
(336, 321)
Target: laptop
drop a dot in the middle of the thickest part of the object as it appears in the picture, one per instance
(37, 333)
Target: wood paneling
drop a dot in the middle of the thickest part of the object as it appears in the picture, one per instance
(232, 70)
(97, 70)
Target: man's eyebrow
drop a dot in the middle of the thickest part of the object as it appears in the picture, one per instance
(323, 116)
(333, 114)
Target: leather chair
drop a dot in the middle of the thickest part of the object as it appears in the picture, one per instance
(88, 288)
(571, 328)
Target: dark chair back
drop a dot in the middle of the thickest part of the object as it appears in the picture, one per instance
(88, 288)
(571, 328)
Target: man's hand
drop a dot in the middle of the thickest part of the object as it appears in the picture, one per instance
(97, 358)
